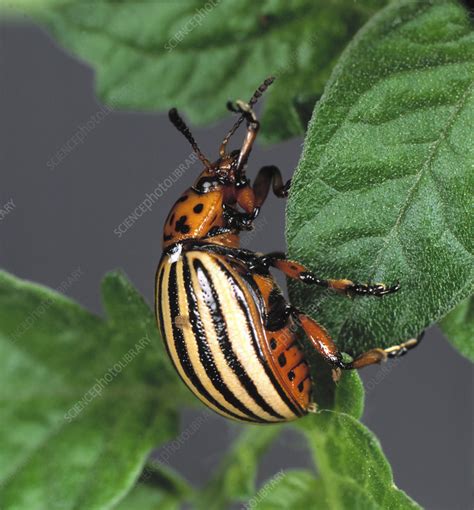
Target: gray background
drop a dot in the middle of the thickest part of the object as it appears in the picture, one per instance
(64, 218)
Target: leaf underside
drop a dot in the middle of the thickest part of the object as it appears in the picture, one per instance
(154, 55)
(383, 190)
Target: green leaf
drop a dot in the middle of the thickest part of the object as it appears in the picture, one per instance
(144, 497)
(382, 191)
(83, 399)
(166, 479)
(295, 489)
(227, 49)
(353, 472)
(158, 487)
(235, 477)
(458, 326)
(299, 489)
(349, 395)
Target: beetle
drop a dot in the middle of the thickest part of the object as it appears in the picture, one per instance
(227, 327)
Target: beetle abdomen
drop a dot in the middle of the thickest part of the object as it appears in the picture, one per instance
(212, 328)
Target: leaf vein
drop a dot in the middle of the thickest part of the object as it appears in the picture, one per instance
(394, 230)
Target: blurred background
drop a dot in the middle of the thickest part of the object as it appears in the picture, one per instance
(65, 216)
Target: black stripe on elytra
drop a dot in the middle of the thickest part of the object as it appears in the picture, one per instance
(240, 296)
(180, 346)
(161, 296)
(212, 301)
(199, 331)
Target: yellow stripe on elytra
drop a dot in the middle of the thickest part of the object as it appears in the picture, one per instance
(168, 334)
(228, 308)
(240, 336)
(192, 348)
(168, 338)
(166, 314)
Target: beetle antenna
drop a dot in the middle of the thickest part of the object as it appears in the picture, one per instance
(181, 126)
(256, 96)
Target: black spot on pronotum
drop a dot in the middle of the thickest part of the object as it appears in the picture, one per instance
(301, 386)
(273, 344)
(282, 359)
(183, 198)
(291, 375)
(198, 208)
(168, 237)
(181, 225)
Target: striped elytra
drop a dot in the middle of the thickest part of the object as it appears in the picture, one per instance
(210, 316)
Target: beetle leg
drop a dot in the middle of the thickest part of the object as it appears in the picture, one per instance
(320, 339)
(378, 355)
(348, 287)
(278, 312)
(239, 220)
(323, 343)
(245, 109)
(266, 177)
(218, 231)
(396, 351)
(252, 198)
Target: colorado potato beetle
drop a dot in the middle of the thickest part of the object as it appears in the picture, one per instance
(227, 327)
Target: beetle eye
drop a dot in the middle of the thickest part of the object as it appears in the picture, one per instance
(206, 184)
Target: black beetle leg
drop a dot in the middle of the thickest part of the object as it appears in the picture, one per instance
(348, 287)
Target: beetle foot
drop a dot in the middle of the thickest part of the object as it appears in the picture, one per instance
(377, 290)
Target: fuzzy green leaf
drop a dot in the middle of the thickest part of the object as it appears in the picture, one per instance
(159, 487)
(352, 470)
(145, 497)
(83, 399)
(235, 478)
(458, 326)
(226, 49)
(293, 489)
(383, 189)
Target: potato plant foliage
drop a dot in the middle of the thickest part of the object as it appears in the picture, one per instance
(382, 193)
